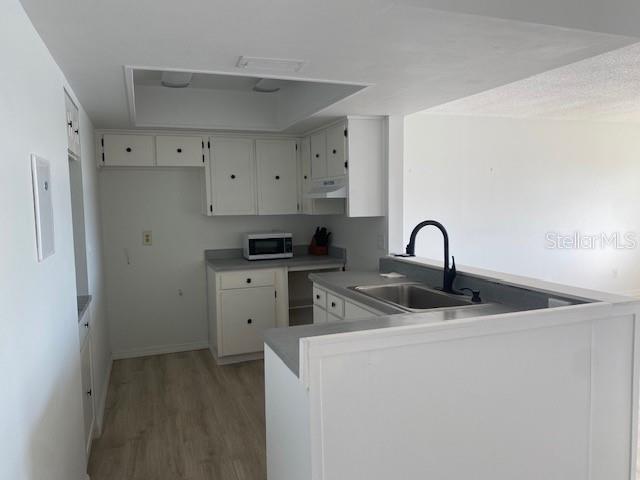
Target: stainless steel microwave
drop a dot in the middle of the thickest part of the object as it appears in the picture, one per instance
(268, 245)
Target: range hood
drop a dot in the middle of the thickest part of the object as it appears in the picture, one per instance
(328, 188)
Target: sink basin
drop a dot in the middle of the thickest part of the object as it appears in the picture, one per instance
(414, 297)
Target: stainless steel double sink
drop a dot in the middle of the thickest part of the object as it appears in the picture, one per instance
(413, 297)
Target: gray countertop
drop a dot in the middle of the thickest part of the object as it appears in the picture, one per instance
(285, 341)
(504, 293)
(299, 262)
(230, 259)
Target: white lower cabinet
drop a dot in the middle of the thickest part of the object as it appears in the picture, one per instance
(242, 305)
(245, 314)
(353, 311)
(319, 314)
(86, 373)
(330, 307)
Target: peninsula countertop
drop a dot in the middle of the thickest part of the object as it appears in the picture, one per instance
(285, 341)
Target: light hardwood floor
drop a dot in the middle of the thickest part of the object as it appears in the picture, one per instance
(182, 417)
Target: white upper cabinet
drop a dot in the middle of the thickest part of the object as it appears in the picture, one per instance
(179, 151)
(353, 150)
(319, 155)
(305, 175)
(336, 150)
(311, 206)
(232, 176)
(277, 177)
(128, 150)
(73, 125)
(367, 176)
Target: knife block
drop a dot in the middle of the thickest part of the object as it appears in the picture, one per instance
(317, 250)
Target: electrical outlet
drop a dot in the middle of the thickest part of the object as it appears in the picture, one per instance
(146, 237)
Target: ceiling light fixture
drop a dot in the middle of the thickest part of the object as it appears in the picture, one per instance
(267, 85)
(176, 79)
(277, 65)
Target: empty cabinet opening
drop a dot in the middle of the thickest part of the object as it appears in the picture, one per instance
(77, 213)
(301, 297)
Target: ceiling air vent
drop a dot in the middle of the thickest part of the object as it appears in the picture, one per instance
(274, 65)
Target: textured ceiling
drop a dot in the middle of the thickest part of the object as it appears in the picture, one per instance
(605, 87)
(414, 57)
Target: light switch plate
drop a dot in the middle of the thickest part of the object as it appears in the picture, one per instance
(43, 206)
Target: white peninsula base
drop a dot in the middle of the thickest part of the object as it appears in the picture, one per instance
(543, 394)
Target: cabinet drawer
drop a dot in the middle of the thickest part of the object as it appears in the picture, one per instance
(335, 305)
(333, 319)
(246, 314)
(177, 151)
(319, 315)
(246, 279)
(129, 150)
(319, 297)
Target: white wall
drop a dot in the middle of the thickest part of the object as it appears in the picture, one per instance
(364, 238)
(500, 184)
(95, 268)
(146, 312)
(41, 434)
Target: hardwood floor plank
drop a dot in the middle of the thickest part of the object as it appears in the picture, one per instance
(182, 417)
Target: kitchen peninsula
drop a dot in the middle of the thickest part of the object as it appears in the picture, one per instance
(540, 374)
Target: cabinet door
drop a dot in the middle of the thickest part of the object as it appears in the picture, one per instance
(305, 175)
(336, 151)
(354, 312)
(129, 150)
(73, 125)
(246, 313)
(277, 177)
(318, 155)
(87, 390)
(232, 176)
(319, 314)
(314, 206)
(177, 151)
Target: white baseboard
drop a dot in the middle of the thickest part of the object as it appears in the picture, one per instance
(159, 350)
(234, 358)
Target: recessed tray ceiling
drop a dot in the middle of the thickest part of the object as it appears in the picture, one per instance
(227, 102)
